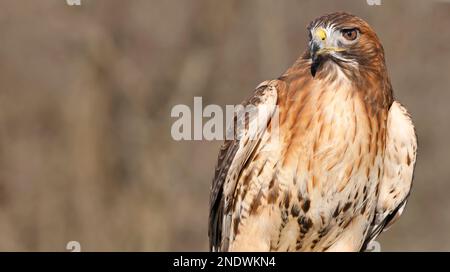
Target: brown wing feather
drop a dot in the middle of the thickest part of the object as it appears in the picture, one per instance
(232, 157)
(399, 162)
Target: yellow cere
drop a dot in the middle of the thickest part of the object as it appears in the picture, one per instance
(321, 34)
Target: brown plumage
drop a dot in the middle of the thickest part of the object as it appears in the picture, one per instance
(340, 168)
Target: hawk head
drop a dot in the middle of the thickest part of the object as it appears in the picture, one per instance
(345, 40)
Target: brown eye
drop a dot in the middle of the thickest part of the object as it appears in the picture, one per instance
(350, 34)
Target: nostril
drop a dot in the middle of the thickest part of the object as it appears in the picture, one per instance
(321, 34)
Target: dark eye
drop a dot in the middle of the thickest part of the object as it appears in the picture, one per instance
(350, 34)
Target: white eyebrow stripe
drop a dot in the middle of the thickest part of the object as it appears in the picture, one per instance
(329, 28)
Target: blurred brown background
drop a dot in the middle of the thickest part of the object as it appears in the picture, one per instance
(86, 93)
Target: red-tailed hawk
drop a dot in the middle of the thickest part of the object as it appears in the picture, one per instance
(341, 170)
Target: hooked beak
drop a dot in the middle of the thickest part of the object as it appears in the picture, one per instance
(320, 49)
